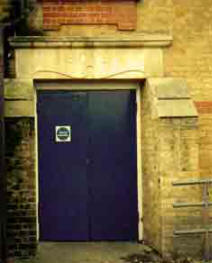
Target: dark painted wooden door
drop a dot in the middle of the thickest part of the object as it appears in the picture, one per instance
(88, 184)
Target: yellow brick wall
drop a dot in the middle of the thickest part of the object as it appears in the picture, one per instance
(189, 22)
(170, 153)
(191, 52)
(190, 56)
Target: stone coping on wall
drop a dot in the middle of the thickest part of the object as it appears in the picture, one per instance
(131, 41)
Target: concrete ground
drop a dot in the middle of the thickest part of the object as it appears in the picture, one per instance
(100, 252)
(92, 252)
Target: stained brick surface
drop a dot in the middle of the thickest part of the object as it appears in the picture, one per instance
(20, 187)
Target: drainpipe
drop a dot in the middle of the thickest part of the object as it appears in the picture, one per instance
(2, 146)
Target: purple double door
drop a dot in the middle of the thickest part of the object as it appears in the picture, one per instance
(87, 165)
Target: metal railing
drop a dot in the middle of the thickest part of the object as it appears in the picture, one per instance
(205, 205)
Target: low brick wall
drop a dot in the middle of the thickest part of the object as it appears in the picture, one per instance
(21, 197)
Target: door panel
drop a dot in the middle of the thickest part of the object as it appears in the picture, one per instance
(88, 187)
(62, 169)
(112, 172)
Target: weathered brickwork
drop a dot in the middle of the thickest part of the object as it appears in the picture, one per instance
(179, 160)
(20, 187)
(120, 13)
(170, 153)
(189, 22)
(190, 57)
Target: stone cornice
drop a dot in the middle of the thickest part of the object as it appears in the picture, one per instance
(133, 41)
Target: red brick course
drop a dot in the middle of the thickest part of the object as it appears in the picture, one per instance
(121, 13)
(204, 107)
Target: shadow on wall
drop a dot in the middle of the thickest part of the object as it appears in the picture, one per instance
(21, 209)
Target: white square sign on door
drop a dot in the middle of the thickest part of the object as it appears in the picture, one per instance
(63, 133)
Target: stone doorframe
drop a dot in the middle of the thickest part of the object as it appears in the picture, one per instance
(165, 108)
